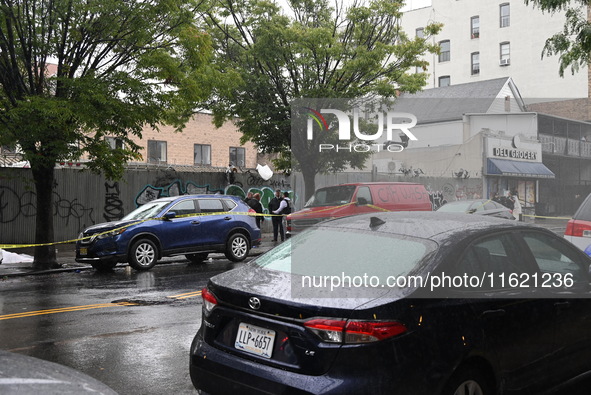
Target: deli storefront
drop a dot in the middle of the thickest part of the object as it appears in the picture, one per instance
(515, 165)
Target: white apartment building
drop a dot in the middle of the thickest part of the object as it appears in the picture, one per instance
(488, 39)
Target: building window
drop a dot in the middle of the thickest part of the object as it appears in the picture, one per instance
(114, 142)
(444, 51)
(237, 156)
(156, 151)
(475, 27)
(504, 14)
(475, 61)
(202, 155)
(420, 32)
(444, 81)
(505, 59)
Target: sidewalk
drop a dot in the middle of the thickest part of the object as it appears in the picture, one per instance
(66, 254)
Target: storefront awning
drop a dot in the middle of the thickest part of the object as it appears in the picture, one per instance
(514, 168)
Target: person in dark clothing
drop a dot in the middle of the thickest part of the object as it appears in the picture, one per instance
(255, 204)
(277, 220)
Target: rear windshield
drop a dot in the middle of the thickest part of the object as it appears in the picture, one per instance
(331, 196)
(321, 252)
(584, 212)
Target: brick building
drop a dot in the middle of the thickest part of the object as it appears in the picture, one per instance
(200, 144)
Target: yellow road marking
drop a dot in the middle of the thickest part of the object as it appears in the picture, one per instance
(86, 307)
(63, 310)
(185, 295)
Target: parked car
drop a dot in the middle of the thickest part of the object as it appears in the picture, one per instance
(265, 329)
(1, 257)
(578, 228)
(172, 226)
(25, 375)
(484, 207)
(358, 198)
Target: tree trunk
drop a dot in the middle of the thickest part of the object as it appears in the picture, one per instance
(43, 175)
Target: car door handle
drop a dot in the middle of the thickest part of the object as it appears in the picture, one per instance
(195, 222)
(227, 218)
(493, 313)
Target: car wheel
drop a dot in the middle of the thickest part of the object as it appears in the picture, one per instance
(469, 381)
(197, 258)
(104, 266)
(143, 255)
(237, 247)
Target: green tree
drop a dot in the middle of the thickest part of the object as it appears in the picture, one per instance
(119, 65)
(573, 44)
(271, 56)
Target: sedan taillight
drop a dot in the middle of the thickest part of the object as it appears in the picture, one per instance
(354, 332)
(578, 228)
(209, 301)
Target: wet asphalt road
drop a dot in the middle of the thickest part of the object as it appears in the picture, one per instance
(131, 330)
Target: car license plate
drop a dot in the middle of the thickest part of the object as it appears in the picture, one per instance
(84, 251)
(255, 340)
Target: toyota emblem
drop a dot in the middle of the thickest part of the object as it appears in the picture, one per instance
(254, 303)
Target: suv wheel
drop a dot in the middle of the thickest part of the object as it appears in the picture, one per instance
(197, 258)
(104, 266)
(143, 255)
(237, 247)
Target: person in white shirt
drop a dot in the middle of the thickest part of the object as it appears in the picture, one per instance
(516, 205)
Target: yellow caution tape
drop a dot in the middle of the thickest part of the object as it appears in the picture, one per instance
(120, 229)
(326, 209)
(540, 216)
(5, 246)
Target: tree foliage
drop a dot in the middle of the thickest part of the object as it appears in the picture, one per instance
(312, 49)
(75, 71)
(573, 43)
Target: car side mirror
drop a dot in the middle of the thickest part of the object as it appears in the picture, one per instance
(169, 215)
(361, 201)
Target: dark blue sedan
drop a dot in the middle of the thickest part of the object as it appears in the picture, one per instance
(192, 225)
(408, 303)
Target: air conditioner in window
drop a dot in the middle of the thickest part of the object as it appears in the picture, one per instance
(505, 62)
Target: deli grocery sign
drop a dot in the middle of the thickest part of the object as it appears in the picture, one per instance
(515, 153)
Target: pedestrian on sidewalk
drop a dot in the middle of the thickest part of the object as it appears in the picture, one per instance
(255, 204)
(277, 219)
(517, 212)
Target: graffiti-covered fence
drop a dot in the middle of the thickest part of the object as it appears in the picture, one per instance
(82, 198)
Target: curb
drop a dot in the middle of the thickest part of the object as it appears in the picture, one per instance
(70, 265)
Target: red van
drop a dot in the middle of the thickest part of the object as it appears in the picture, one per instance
(359, 198)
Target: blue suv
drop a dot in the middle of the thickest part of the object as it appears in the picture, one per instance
(192, 225)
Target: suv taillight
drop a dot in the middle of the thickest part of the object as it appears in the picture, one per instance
(354, 332)
(577, 228)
